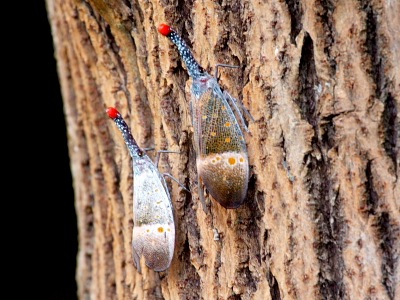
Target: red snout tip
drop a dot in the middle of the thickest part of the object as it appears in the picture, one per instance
(164, 29)
(112, 112)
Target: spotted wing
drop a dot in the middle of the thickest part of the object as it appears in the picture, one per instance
(216, 127)
(154, 230)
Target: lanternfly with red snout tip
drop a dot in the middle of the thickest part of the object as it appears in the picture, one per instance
(153, 235)
(221, 151)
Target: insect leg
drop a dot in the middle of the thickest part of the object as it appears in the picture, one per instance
(148, 149)
(233, 100)
(223, 65)
(236, 105)
(167, 174)
(177, 181)
(201, 194)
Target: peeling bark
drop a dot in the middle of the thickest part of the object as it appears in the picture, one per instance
(321, 78)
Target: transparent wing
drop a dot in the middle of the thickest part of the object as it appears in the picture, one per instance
(153, 233)
(216, 127)
(152, 203)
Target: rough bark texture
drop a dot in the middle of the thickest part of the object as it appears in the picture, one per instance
(322, 81)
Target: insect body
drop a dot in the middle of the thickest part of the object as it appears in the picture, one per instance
(153, 234)
(222, 162)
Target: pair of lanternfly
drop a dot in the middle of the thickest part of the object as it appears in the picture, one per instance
(222, 163)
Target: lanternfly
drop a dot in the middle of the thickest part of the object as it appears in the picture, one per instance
(153, 233)
(222, 161)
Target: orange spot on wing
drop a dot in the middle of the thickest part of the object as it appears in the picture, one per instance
(232, 160)
(160, 229)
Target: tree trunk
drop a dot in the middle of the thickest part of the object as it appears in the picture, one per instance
(321, 219)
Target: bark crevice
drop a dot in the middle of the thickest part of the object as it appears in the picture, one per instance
(296, 16)
(385, 233)
(327, 210)
(325, 14)
(372, 47)
(189, 283)
(307, 81)
(391, 126)
(273, 286)
(372, 195)
(328, 131)
(389, 259)
(330, 226)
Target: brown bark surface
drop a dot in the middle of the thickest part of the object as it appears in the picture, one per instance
(322, 80)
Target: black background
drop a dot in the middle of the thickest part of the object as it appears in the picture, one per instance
(50, 238)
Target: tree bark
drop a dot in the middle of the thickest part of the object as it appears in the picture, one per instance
(322, 81)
